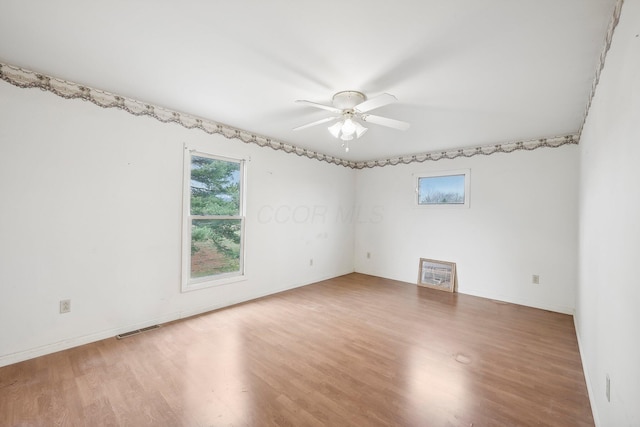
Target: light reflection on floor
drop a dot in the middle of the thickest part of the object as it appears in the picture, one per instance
(215, 392)
(439, 387)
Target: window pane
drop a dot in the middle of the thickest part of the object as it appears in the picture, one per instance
(215, 246)
(441, 190)
(215, 187)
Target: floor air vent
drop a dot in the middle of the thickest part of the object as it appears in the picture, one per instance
(136, 332)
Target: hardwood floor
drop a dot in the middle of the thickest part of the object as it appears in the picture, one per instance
(351, 351)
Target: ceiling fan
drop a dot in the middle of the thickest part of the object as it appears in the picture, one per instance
(349, 107)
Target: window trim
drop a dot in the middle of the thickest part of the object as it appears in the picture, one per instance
(187, 283)
(435, 174)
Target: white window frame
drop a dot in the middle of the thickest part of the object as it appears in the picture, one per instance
(435, 174)
(189, 284)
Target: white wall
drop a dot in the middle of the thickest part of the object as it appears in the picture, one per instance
(90, 209)
(608, 296)
(521, 221)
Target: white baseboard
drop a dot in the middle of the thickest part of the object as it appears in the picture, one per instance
(21, 356)
(587, 379)
(521, 301)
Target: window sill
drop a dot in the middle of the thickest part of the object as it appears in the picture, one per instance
(210, 283)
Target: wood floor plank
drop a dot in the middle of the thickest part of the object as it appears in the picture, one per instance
(356, 350)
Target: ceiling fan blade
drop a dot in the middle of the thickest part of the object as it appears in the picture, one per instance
(385, 121)
(317, 122)
(377, 102)
(316, 105)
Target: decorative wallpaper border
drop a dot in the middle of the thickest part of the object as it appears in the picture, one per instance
(617, 10)
(28, 79)
(484, 150)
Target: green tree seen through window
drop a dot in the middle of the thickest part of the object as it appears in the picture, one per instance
(216, 222)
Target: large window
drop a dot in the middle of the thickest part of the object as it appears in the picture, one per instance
(449, 188)
(214, 221)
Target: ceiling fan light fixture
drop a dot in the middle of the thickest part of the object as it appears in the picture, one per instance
(347, 129)
(349, 108)
(335, 129)
(360, 130)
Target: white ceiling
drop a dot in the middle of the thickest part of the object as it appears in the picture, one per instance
(465, 72)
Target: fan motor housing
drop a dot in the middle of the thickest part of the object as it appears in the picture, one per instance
(348, 99)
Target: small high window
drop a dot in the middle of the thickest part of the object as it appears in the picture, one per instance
(450, 188)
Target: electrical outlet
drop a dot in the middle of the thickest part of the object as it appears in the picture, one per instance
(535, 279)
(368, 255)
(65, 306)
(311, 262)
(608, 390)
